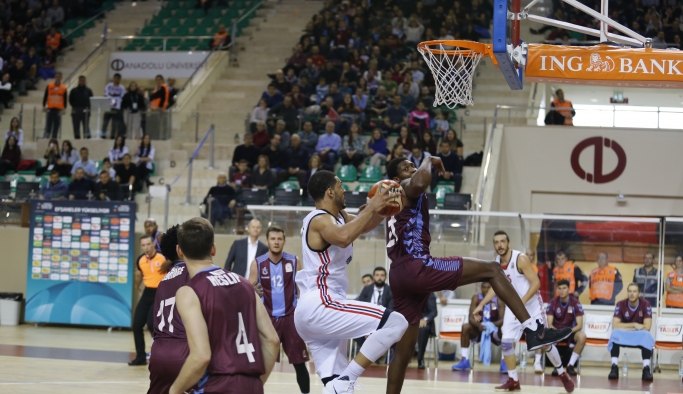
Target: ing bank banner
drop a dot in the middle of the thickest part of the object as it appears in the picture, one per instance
(80, 263)
(605, 65)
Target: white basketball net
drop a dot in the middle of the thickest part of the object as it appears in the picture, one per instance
(453, 73)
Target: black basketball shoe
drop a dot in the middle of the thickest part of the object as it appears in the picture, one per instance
(544, 336)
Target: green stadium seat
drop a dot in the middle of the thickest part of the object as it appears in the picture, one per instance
(190, 43)
(14, 179)
(208, 23)
(156, 22)
(187, 5)
(288, 185)
(165, 13)
(42, 179)
(346, 188)
(215, 12)
(347, 173)
(371, 174)
(65, 179)
(172, 22)
(172, 5)
(441, 192)
(190, 22)
(148, 31)
(364, 187)
(244, 23)
(154, 170)
(98, 165)
(182, 31)
(173, 42)
(88, 25)
(164, 31)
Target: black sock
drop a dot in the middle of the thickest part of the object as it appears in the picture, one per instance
(302, 378)
(329, 379)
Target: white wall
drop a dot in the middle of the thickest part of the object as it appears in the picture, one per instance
(535, 173)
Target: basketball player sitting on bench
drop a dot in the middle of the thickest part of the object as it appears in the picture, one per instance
(493, 313)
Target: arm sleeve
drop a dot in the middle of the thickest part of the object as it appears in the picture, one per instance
(579, 276)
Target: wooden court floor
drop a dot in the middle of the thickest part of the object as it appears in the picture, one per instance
(71, 360)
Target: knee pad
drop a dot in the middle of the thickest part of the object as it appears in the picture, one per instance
(508, 348)
(393, 324)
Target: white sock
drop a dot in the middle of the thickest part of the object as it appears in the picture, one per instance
(646, 363)
(353, 371)
(530, 324)
(465, 352)
(554, 357)
(615, 360)
(513, 374)
(574, 359)
(537, 358)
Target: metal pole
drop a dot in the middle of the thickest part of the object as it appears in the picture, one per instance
(603, 26)
(188, 200)
(34, 123)
(213, 140)
(196, 127)
(168, 193)
(149, 206)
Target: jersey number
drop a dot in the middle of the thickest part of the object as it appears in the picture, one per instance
(277, 281)
(243, 345)
(510, 279)
(167, 302)
(392, 232)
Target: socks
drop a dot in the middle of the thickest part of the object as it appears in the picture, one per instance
(574, 359)
(465, 352)
(537, 358)
(615, 360)
(646, 363)
(513, 374)
(353, 371)
(530, 324)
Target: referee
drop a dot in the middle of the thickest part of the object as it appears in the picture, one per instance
(149, 270)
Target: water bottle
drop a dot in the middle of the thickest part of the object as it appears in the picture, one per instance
(680, 368)
(624, 366)
(523, 362)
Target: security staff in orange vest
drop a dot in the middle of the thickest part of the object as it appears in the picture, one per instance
(158, 100)
(605, 282)
(565, 269)
(149, 270)
(54, 103)
(221, 39)
(560, 102)
(53, 39)
(674, 285)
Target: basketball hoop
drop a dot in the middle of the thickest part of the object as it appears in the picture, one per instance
(452, 63)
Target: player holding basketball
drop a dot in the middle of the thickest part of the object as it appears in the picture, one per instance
(324, 318)
(233, 344)
(520, 273)
(169, 349)
(415, 273)
(276, 272)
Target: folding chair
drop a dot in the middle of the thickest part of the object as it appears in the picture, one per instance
(598, 329)
(669, 336)
(450, 329)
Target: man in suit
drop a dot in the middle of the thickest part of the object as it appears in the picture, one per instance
(377, 292)
(244, 251)
(427, 329)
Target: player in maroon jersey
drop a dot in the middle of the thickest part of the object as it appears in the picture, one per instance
(415, 273)
(565, 310)
(233, 345)
(169, 349)
(276, 272)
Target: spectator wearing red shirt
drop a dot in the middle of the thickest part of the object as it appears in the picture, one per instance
(566, 311)
(298, 59)
(342, 35)
(298, 98)
(241, 177)
(632, 322)
(261, 137)
(317, 59)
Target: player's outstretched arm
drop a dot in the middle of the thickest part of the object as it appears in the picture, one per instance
(190, 310)
(420, 181)
(270, 343)
(343, 235)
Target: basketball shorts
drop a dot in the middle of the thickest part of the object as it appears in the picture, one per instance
(512, 327)
(167, 358)
(231, 384)
(412, 280)
(295, 347)
(326, 323)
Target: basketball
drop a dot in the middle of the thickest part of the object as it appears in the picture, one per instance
(396, 205)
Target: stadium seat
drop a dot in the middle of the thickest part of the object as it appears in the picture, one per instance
(189, 44)
(255, 196)
(164, 31)
(65, 179)
(182, 31)
(288, 197)
(347, 173)
(208, 23)
(41, 179)
(173, 42)
(215, 12)
(148, 31)
(14, 180)
(5, 189)
(364, 187)
(190, 22)
(355, 199)
(431, 199)
(31, 172)
(98, 165)
(440, 192)
(156, 22)
(371, 174)
(172, 22)
(289, 185)
(26, 191)
(457, 201)
(346, 188)
(153, 172)
(165, 13)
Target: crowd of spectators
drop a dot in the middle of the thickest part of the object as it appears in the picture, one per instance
(657, 19)
(353, 80)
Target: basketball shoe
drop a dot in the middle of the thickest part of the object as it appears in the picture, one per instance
(340, 385)
(509, 386)
(544, 336)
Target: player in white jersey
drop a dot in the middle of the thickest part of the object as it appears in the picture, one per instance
(324, 318)
(520, 273)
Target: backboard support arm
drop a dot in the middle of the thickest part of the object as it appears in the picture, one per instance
(513, 75)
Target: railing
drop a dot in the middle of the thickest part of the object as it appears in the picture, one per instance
(87, 21)
(164, 40)
(88, 58)
(669, 45)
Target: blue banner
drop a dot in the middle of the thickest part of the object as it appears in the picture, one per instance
(80, 263)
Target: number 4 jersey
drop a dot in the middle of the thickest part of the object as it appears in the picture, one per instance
(228, 304)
